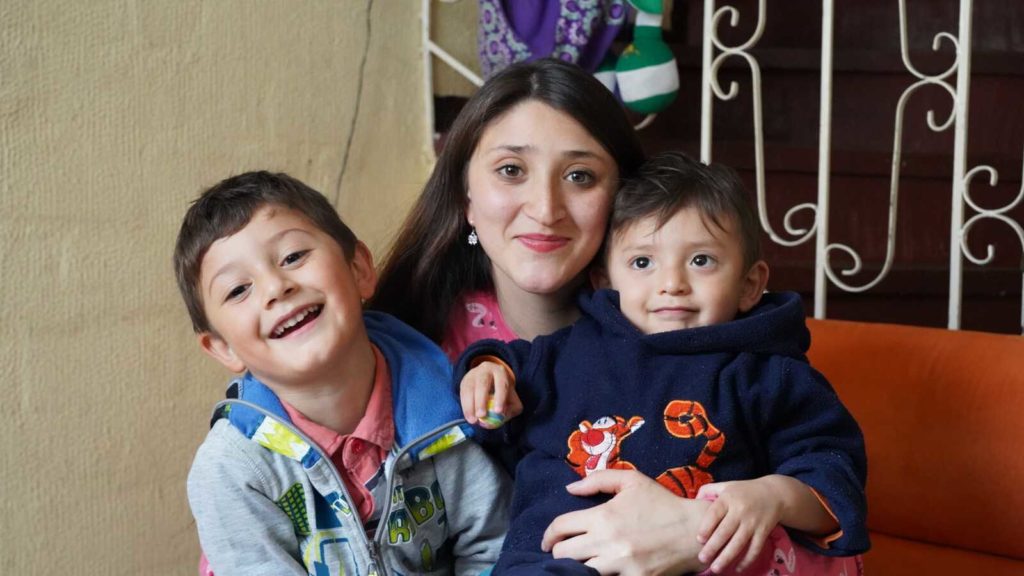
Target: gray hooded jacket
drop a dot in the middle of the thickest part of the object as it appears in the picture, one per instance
(267, 500)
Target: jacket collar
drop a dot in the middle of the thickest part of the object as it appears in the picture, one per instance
(427, 416)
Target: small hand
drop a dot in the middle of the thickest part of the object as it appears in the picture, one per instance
(488, 396)
(643, 529)
(740, 518)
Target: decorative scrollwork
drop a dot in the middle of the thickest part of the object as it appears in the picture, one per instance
(998, 214)
(801, 235)
(728, 51)
(894, 182)
(716, 53)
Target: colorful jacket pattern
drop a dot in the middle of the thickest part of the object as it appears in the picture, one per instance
(267, 500)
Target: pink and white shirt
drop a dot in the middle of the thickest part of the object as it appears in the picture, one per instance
(475, 316)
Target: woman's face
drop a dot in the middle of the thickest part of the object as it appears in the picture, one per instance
(540, 190)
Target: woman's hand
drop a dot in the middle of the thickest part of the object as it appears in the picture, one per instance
(643, 529)
(488, 395)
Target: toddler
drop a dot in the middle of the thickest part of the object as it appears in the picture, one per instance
(688, 372)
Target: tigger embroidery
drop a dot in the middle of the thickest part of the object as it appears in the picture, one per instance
(689, 419)
(596, 446)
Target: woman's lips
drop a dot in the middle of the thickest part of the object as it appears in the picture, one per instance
(542, 242)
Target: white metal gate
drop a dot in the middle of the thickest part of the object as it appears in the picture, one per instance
(955, 80)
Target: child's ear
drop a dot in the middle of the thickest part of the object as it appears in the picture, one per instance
(364, 272)
(599, 277)
(216, 348)
(754, 283)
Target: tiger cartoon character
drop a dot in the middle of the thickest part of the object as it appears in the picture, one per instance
(596, 446)
(689, 419)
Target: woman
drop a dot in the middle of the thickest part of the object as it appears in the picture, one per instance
(498, 245)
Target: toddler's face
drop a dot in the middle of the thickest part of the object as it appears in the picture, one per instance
(283, 300)
(684, 275)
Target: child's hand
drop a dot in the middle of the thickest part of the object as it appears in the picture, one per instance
(488, 395)
(740, 518)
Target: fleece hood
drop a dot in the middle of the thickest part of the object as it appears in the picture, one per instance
(774, 326)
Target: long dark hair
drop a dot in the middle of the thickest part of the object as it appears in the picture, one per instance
(430, 263)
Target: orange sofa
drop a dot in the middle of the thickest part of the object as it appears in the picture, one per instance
(943, 419)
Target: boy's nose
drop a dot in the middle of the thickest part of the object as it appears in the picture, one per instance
(278, 288)
(674, 282)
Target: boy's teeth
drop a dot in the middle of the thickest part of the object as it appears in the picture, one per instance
(294, 320)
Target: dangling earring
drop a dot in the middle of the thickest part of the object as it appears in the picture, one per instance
(473, 239)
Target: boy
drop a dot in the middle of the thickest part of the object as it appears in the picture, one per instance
(339, 450)
(687, 373)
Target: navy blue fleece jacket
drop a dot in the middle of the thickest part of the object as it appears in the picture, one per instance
(733, 401)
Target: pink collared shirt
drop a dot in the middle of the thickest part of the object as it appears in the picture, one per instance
(358, 456)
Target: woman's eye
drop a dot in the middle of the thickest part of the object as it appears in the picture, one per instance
(580, 177)
(640, 263)
(510, 171)
(701, 260)
(294, 257)
(236, 292)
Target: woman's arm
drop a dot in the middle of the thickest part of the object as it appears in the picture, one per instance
(643, 529)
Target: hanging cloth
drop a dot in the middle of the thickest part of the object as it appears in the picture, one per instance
(646, 73)
(579, 31)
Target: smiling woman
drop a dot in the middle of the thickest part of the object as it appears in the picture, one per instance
(532, 160)
(498, 246)
(540, 190)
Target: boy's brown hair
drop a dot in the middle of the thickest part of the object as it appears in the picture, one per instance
(227, 207)
(671, 181)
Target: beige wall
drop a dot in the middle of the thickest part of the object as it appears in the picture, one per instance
(453, 28)
(113, 115)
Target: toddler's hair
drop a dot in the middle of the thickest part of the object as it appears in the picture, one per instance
(671, 181)
(227, 207)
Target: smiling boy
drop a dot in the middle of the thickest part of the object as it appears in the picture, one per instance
(686, 371)
(340, 448)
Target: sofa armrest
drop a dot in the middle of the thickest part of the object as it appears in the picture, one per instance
(943, 419)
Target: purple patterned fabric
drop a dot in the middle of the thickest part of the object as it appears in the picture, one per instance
(579, 31)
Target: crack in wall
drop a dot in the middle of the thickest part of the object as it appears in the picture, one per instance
(359, 99)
